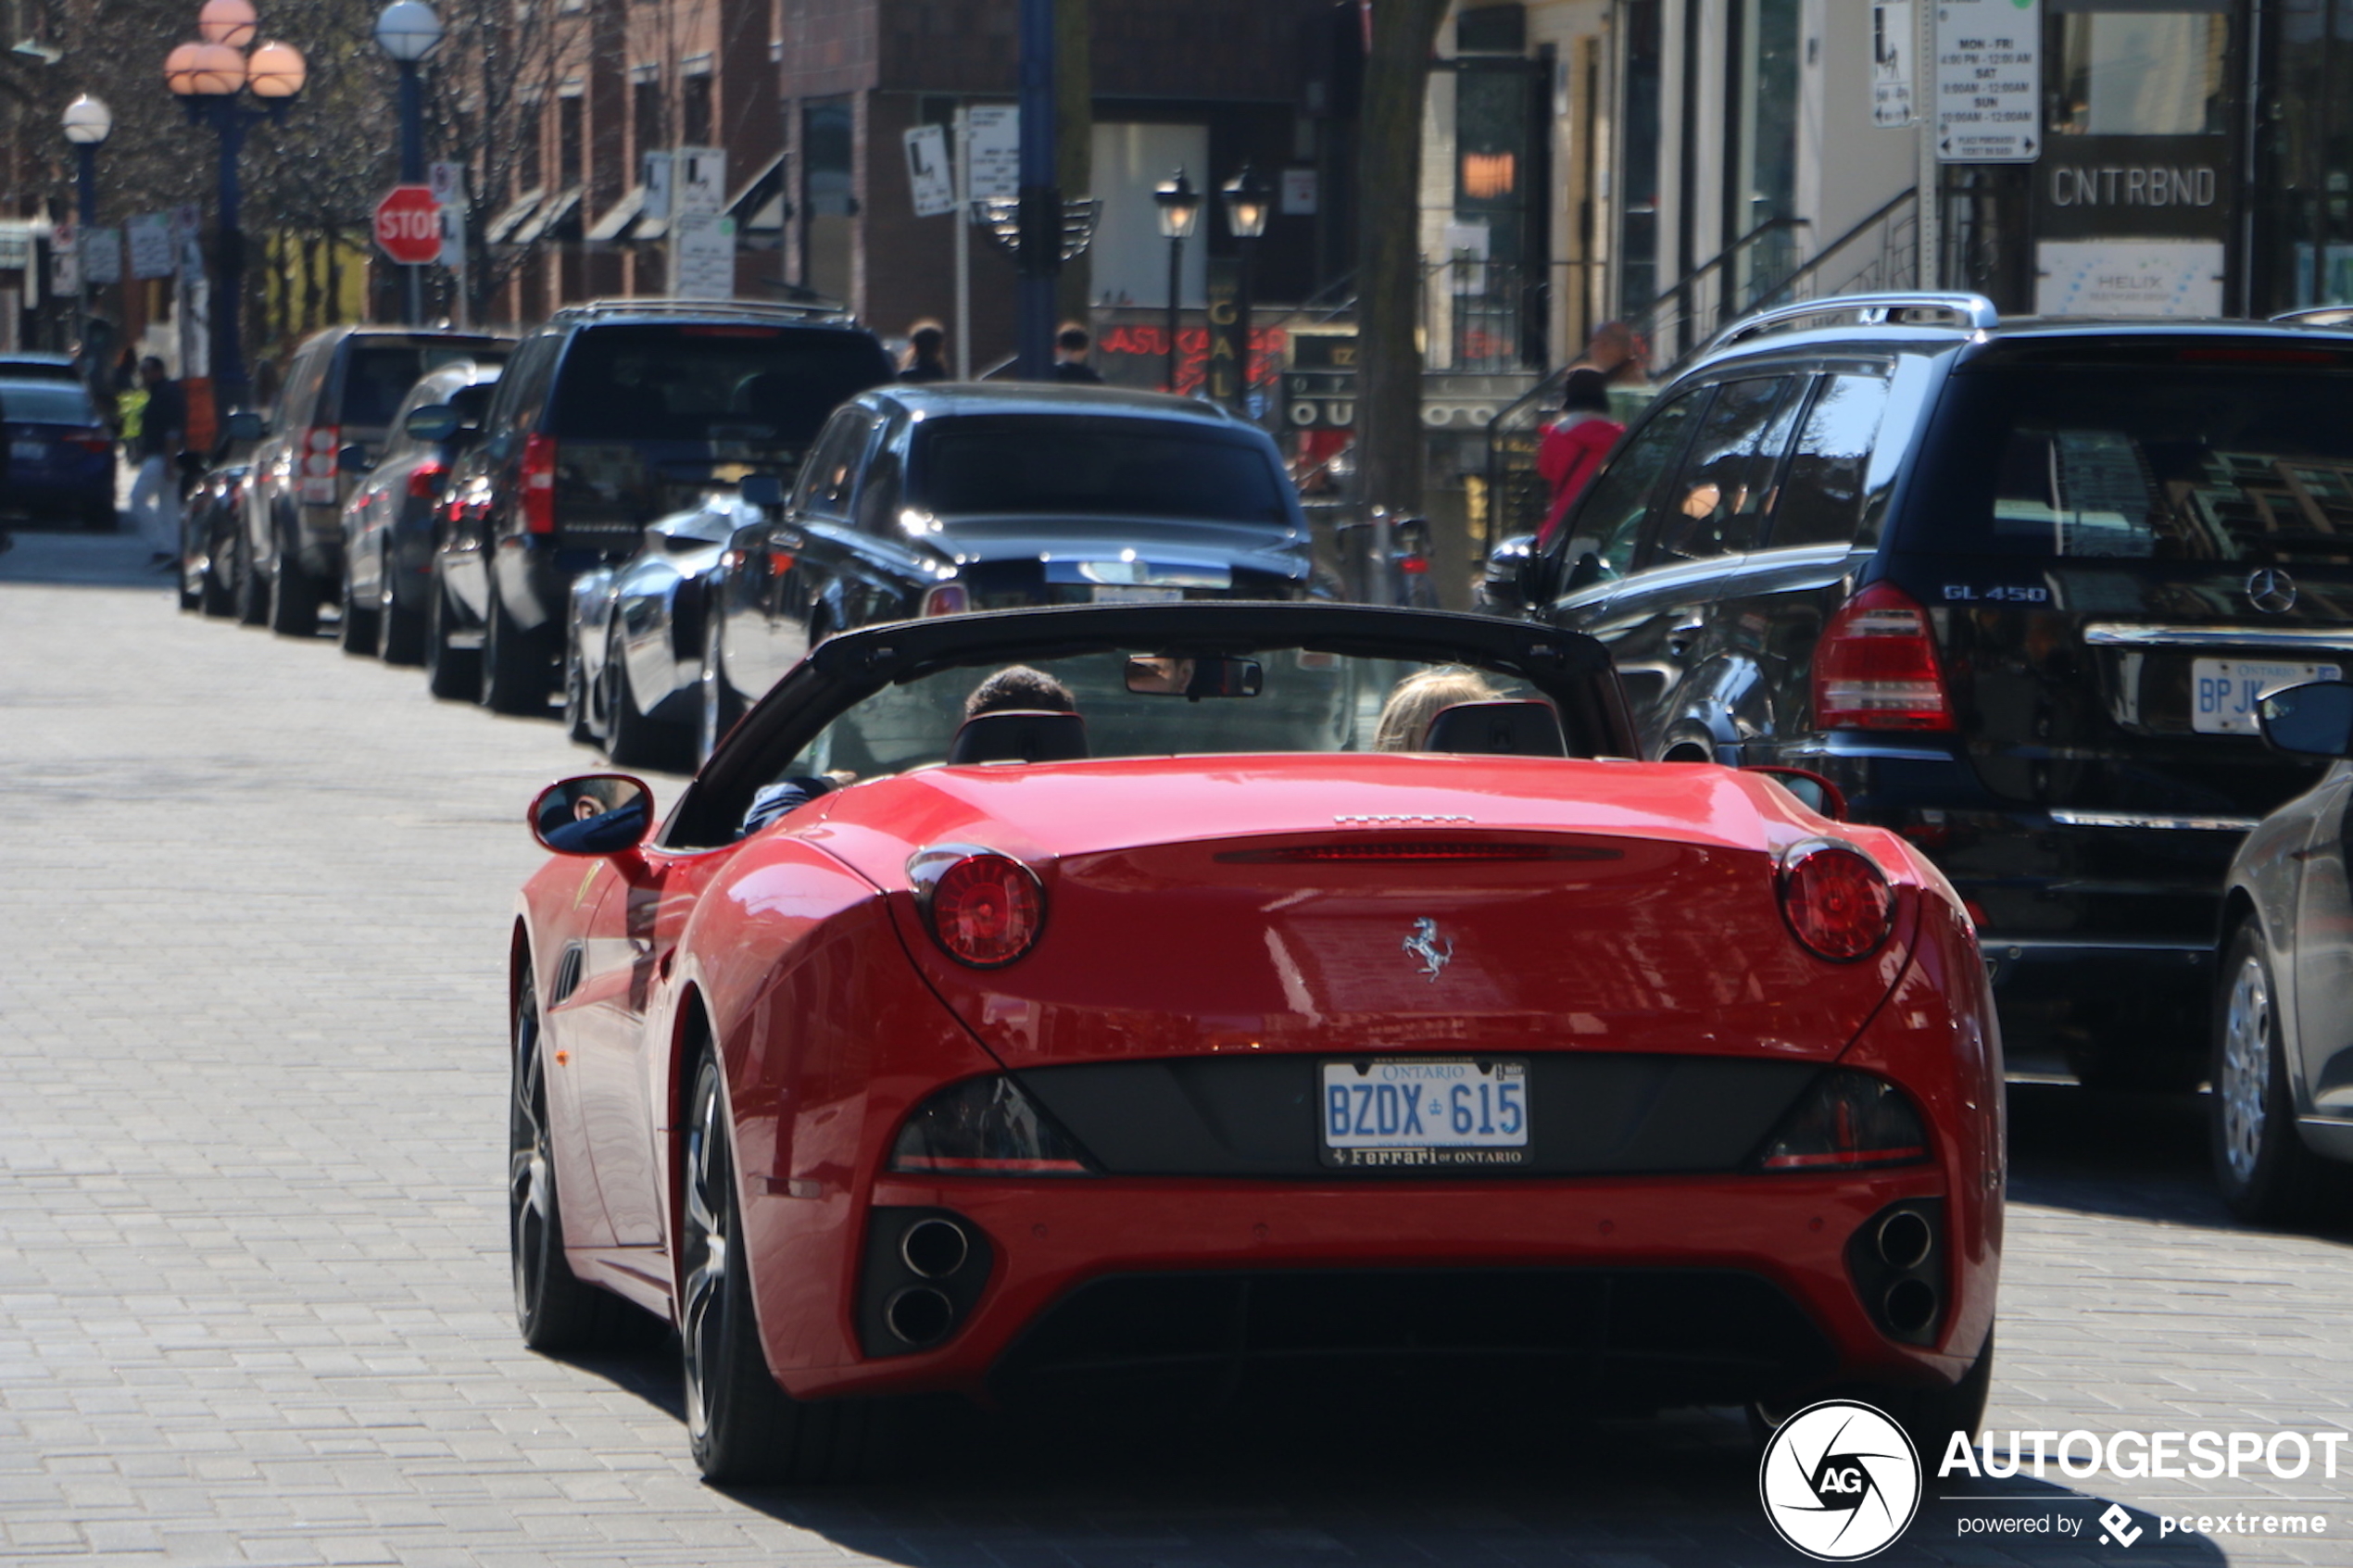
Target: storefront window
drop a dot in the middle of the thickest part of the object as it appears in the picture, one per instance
(2143, 74)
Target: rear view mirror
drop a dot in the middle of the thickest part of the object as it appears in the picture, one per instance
(435, 422)
(1163, 675)
(762, 490)
(1819, 795)
(353, 459)
(597, 814)
(244, 425)
(2314, 720)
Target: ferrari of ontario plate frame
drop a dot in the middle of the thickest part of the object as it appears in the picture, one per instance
(1451, 1110)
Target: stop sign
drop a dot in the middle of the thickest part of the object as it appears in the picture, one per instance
(409, 225)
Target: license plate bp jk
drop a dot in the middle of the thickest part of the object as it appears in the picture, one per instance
(1398, 1111)
(2223, 690)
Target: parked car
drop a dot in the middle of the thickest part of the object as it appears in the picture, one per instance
(60, 453)
(27, 364)
(928, 499)
(613, 415)
(340, 391)
(2281, 1109)
(1163, 1012)
(388, 524)
(2014, 587)
(212, 516)
(634, 640)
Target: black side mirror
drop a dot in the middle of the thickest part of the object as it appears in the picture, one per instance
(353, 459)
(595, 815)
(762, 490)
(1505, 583)
(433, 423)
(2313, 719)
(244, 425)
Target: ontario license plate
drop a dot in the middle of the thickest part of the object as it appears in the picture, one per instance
(1440, 1113)
(1125, 594)
(28, 451)
(2223, 690)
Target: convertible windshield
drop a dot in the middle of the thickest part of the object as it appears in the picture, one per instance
(1110, 704)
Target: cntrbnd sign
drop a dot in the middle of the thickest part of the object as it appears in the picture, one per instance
(1988, 81)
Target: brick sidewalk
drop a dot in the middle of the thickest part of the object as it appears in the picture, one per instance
(252, 1280)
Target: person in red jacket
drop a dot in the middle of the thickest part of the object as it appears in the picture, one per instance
(1573, 448)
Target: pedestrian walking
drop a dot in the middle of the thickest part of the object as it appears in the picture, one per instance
(155, 494)
(1573, 448)
(1070, 344)
(927, 353)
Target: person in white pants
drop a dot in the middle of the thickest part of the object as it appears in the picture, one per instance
(155, 494)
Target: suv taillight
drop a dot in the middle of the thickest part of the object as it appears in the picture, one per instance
(539, 485)
(1876, 669)
(319, 445)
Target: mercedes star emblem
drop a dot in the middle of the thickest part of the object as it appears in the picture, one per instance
(2271, 590)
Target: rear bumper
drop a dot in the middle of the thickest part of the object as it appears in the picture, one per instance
(2065, 996)
(1658, 1291)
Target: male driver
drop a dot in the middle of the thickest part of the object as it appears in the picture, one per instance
(155, 494)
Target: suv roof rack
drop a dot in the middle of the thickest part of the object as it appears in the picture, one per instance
(790, 310)
(1972, 313)
(2316, 316)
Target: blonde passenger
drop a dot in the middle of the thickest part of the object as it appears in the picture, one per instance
(1422, 696)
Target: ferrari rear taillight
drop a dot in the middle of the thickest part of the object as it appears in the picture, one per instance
(1836, 900)
(538, 484)
(985, 1127)
(948, 598)
(424, 480)
(1847, 1120)
(984, 909)
(1876, 667)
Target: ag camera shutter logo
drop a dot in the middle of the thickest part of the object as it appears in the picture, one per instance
(1839, 1481)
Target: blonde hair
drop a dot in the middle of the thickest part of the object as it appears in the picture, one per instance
(1422, 696)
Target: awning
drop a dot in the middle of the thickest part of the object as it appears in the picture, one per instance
(758, 202)
(560, 208)
(504, 225)
(615, 224)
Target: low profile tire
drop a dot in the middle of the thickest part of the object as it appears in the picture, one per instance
(635, 741)
(453, 674)
(293, 599)
(2266, 1173)
(740, 1424)
(1929, 1416)
(400, 633)
(720, 706)
(252, 588)
(514, 675)
(357, 635)
(553, 1309)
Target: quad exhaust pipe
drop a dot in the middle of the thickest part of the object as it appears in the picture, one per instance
(925, 1271)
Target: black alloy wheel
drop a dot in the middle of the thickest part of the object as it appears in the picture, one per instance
(514, 672)
(357, 635)
(740, 1424)
(553, 1309)
(400, 633)
(452, 673)
(252, 592)
(2266, 1172)
(293, 599)
(720, 706)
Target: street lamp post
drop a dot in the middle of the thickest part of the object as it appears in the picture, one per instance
(1246, 200)
(88, 124)
(207, 77)
(1179, 209)
(408, 31)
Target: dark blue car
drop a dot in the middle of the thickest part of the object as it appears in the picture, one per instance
(60, 453)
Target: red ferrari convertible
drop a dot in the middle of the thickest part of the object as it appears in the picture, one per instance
(1167, 999)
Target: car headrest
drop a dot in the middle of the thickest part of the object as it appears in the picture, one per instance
(1508, 727)
(1019, 735)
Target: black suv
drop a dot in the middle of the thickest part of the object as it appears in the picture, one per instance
(2014, 588)
(610, 416)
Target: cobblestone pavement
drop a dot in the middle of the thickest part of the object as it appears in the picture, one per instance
(252, 1280)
